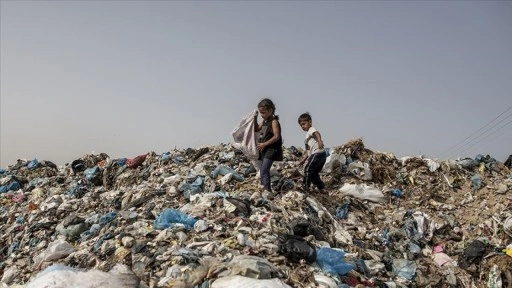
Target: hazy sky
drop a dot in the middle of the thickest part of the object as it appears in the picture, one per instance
(129, 77)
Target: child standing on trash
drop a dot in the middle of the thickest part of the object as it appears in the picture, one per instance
(270, 144)
(315, 155)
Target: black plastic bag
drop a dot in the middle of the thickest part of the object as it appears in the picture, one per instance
(473, 254)
(295, 248)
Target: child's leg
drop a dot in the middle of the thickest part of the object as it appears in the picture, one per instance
(265, 173)
(308, 176)
(315, 165)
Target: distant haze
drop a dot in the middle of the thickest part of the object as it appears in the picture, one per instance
(129, 77)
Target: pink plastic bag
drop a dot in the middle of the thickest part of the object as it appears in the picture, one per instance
(136, 162)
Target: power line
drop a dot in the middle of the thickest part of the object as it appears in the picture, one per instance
(461, 148)
(482, 134)
(472, 134)
(494, 132)
(500, 135)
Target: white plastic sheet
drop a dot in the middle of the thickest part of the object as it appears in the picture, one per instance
(64, 277)
(432, 164)
(56, 250)
(246, 282)
(333, 161)
(244, 136)
(360, 170)
(363, 191)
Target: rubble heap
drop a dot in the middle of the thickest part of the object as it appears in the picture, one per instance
(184, 219)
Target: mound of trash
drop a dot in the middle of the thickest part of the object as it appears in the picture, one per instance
(184, 218)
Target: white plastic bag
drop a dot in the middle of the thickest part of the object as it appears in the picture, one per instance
(363, 191)
(56, 250)
(360, 170)
(59, 276)
(432, 164)
(246, 282)
(244, 136)
(333, 161)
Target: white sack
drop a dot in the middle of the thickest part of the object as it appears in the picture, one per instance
(244, 136)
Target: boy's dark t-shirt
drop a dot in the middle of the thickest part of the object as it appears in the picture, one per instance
(273, 151)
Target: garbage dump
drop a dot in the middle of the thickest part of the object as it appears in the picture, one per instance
(184, 218)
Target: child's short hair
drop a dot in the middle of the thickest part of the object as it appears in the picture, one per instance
(304, 117)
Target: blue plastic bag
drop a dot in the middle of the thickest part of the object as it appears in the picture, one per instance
(34, 183)
(33, 164)
(107, 218)
(342, 212)
(332, 261)
(224, 170)
(91, 173)
(165, 157)
(404, 268)
(195, 187)
(476, 180)
(396, 192)
(169, 217)
(13, 186)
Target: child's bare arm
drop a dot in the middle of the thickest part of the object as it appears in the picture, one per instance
(318, 139)
(277, 133)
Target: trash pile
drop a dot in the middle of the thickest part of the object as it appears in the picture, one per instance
(184, 218)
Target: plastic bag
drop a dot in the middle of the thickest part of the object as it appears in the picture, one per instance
(331, 261)
(56, 250)
(303, 227)
(13, 186)
(363, 191)
(94, 175)
(246, 282)
(476, 180)
(472, 254)
(59, 276)
(252, 266)
(342, 212)
(107, 218)
(78, 166)
(404, 268)
(244, 136)
(224, 170)
(136, 162)
(33, 164)
(468, 163)
(169, 217)
(333, 161)
(196, 187)
(295, 249)
(360, 170)
(432, 165)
